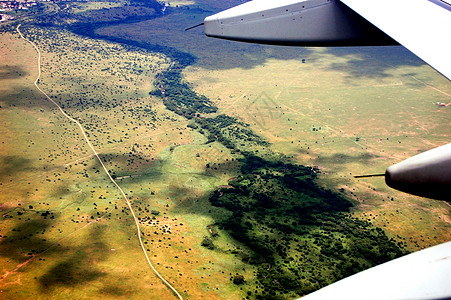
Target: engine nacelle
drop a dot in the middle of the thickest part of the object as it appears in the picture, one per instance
(294, 22)
(427, 174)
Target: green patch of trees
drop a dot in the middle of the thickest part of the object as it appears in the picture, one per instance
(229, 131)
(179, 97)
(300, 235)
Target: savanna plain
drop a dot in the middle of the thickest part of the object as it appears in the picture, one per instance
(237, 159)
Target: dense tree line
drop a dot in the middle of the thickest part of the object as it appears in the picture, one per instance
(229, 131)
(179, 97)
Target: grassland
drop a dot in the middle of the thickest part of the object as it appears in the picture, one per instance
(65, 229)
(61, 218)
(322, 110)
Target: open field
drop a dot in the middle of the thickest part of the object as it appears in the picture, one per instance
(322, 110)
(81, 7)
(70, 230)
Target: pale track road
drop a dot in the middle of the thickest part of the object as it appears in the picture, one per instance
(103, 166)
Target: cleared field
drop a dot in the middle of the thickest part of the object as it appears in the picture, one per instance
(180, 3)
(81, 7)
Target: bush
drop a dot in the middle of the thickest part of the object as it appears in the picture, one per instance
(208, 243)
(238, 279)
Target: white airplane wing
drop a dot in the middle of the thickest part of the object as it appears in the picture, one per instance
(424, 275)
(422, 26)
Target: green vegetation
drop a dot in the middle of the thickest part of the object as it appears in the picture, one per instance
(230, 132)
(70, 15)
(298, 235)
(64, 226)
(178, 97)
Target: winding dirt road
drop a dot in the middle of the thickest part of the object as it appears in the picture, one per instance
(101, 162)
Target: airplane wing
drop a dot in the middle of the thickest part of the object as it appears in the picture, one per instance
(422, 26)
(421, 275)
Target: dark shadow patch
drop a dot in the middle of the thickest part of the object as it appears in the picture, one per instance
(61, 190)
(80, 267)
(119, 166)
(14, 163)
(11, 165)
(179, 193)
(12, 72)
(115, 291)
(68, 273)
(29, 236)
(26, 97)
(373, 62)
